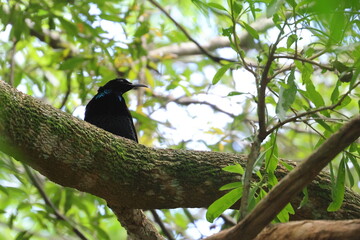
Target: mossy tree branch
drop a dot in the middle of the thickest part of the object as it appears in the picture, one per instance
(76, 154)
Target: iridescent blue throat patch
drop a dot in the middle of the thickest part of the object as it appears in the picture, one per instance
(103, 93)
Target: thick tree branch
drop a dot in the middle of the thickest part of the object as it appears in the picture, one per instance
(76, 154)
(305, 230)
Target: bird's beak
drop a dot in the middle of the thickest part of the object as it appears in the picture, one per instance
(138, 85)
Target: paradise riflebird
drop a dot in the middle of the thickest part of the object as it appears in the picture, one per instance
(108, 110)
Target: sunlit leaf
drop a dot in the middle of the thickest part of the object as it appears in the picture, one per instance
(217, 6)
(231, 186)
(221, 72)
(250, 30)
(287, 96)
(235, 93)
(291, 39)
(305, 199)
(237, 168)
(339, 189)
(223, 203)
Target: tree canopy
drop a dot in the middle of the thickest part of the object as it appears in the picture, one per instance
(251, 83)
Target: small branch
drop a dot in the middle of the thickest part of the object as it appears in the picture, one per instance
(183, 30)
(161, 224)
(228, 220)
(237, 44)
(184, 100)
(68, 90)
(261, 108)
(332, 107)
(48, 202)
(12, 62)
(307, 61)
(287, 68)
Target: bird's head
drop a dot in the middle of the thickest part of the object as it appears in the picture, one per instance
(119, 85)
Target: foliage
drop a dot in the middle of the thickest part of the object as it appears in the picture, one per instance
(293, 81)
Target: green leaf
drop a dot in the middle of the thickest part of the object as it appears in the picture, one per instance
(143, 29)
(68, 200)
(340, 66)
(283, 215)
(216, 6)
(335, 94)
(337, 27)
(314, 96)
(250, 30)
(101, 233)
(226, 32)
(69, 27)
(111, 17)
(350, 176)
(23, 235)
(287, 96)
(4, 190)
(339, 188)
(259, 161)
(271, 157)
(231, 186)
(273, 7)
(237, 168)
(223, 203)
(235, 93)
(305, 198)
(237, 7)
(323, 124)
(355, 163)
(306, 70)
(72, 63)
(291, 39)
(221, 72)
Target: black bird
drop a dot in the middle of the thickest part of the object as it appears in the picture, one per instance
(108, 110)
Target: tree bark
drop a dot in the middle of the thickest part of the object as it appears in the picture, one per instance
(319, 230)
(74, 153)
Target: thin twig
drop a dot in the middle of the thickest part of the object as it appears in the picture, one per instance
(68, 90)
(184, 100)
(287, 68)
(12, 62)
(161, 224)
(307, 61)
(312, 111)
(261, 108)
(48, 202)
(183, 30)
